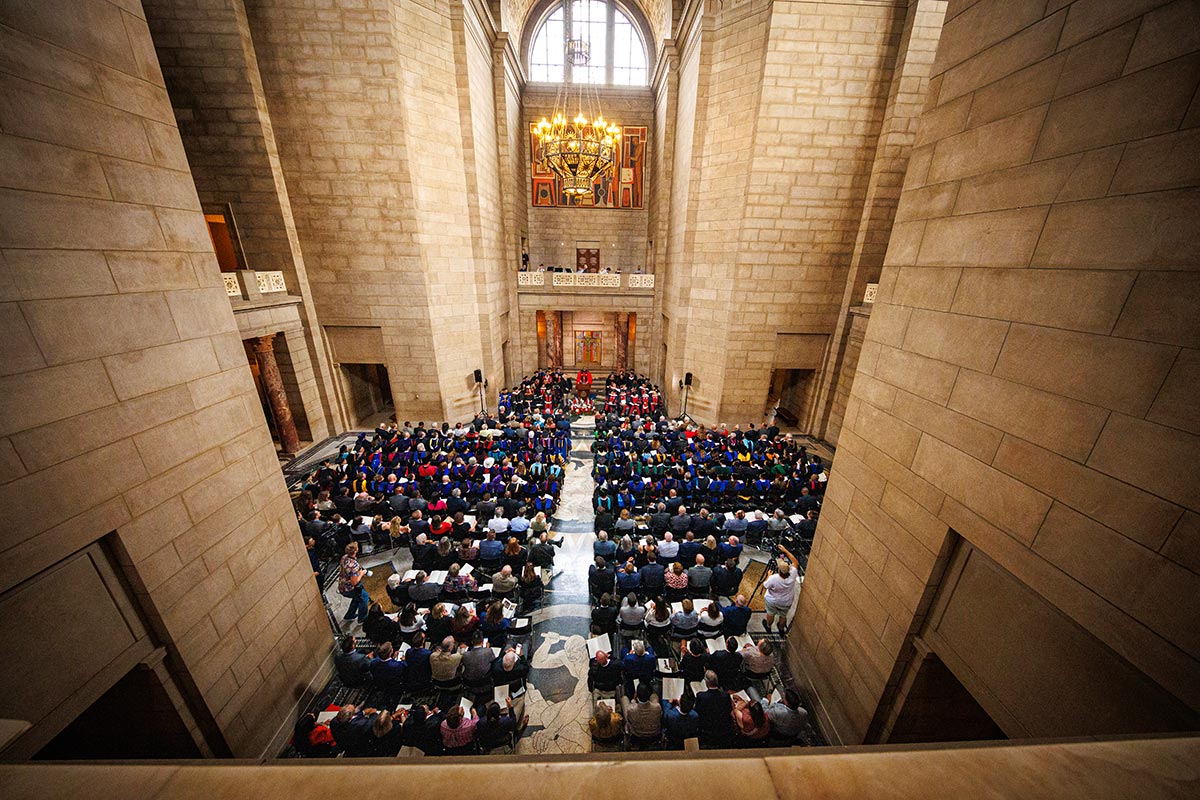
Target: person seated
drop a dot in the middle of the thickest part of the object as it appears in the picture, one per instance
(786, 716)
(680, 524)
(422, 730)
(632, 613)
(638, 663)
(693, 660)
(643, 715)
(606, 726)
(604, 615)
(626, 550)
(668, 549)
(653, 577)
(712, 622)
(353, 668)
(755, 528)
(409, 621)
(699, 578)
(463, 625)
(477, 662)
(726, 579)
(603, 548)
(388, 672)
(467, 551)
(422, 591)
(714, 709)
(386, 737)
(658, 615)
(750, 720)
(758, 659)
(457, 583)
(737, 616)
(379, 628)
(504, 581)
(680, 721)
(438, 623)
(396, 591)
(531, 587)
(491, 549)
(458, 730)
(495, 625)
(510, 670)
(445, 662)
(703, 525)
(660, 520)
(514, 555)
(689, 550)
(604, 674)
(416, 659)
(623, 527)
(311, 739)
(738, 524)
(350, 728)
(727, 664)
(677, 580)
(499, 726)
(628, 579)
(731, 548)
(708, 550)
(541, 552)
(685, 622)
(600, 577)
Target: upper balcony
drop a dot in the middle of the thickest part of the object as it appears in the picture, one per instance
(583, 282)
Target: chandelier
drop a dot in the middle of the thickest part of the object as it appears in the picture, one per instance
(577, 150)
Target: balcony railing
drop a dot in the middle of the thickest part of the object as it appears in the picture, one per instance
(248, 284)
(584, 280)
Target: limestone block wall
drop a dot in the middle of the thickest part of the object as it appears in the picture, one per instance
(1029, 372)
(211, 72)
(778, 119)
(126, 404)
(622, 234)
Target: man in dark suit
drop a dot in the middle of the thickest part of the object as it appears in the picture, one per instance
(601, 577)
(353, 667)
(689, 548)
(714, 708)
(418, 673)
(485, 509)
(659, 520)
(737, 616)
(604, 674)
(727, 665)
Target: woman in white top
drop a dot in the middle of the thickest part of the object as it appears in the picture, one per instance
(658, 615)
(780, 593)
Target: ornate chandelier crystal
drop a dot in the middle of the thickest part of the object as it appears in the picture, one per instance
(577, 150)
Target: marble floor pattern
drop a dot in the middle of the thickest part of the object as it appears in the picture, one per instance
(557, 701)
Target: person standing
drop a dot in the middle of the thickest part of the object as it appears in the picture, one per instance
(779, 594)
(350, 575)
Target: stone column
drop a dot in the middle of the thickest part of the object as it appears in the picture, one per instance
(268, 372)
(621, 353)
(554, 351)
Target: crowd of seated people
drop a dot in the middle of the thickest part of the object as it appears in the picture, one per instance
(729, 697)
(629, 394)
(403, 481)
(643, 460)
(659, 599)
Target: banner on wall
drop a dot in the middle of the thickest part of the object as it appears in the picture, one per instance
(622, 187)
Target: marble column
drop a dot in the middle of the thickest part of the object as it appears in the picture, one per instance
(268, 373)
(554, 346)
(621, 354)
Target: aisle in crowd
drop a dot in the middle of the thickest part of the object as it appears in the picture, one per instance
(421, 666)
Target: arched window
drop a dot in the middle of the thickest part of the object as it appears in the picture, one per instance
(617, 54)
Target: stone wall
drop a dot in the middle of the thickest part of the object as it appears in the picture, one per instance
(127, 404)
(1028, 377)
(782, 179)
(211, 72)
